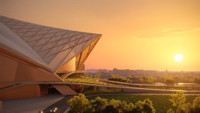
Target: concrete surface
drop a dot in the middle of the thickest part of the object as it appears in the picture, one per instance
(61, 105)
(33, 105)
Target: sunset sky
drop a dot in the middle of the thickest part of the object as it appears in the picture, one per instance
(137, 34)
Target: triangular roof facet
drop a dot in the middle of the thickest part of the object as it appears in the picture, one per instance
(52, 45)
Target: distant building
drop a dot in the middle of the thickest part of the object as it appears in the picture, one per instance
(33, 57)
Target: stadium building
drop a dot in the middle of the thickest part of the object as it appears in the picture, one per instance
(35, 57)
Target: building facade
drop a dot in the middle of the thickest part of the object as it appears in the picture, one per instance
(34, 57)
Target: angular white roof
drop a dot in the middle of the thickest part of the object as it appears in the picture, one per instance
(51, 47)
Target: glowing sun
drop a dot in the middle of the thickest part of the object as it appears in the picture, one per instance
(178, 57)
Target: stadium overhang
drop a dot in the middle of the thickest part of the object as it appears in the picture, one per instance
(32, 52)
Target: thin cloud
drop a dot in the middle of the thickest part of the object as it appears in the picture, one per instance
(181, 30)
(166, 32)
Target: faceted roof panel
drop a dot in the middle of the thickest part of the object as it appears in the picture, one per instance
(49, 42)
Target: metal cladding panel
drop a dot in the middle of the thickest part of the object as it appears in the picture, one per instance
(48, 43)
(10, 40)
(70, 66)
(58, 59)
(76, 51)
(84, 54)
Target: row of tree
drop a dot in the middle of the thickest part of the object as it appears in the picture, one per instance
(80, 104)
(118, 78)
(167, 79)
(132, 79)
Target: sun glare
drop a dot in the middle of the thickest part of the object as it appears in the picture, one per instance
(178, 57)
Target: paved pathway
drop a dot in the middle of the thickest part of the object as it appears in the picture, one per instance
(61, 105)
(33, 105)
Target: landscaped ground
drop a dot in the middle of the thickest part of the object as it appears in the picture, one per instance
(85, 80)
(160, 102)
(92, 91)
(97, 81)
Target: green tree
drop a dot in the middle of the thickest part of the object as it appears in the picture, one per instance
(196, 79)
(97, 76)
(196, 105)
(185, 108)
(169, 80)
(151, 79)
(170, 111)
(126, 108)
(119, 78)
(78, 104)
(143, 107)
(178, 99)
(148, 106)
(98, 104)
(115, 103)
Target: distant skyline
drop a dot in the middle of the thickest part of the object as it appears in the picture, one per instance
(137, 34)
(141, 70)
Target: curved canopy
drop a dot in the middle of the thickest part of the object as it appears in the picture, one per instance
(51, 47)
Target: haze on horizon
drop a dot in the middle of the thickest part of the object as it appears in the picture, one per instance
(137, 34)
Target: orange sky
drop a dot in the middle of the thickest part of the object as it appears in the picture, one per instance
(137, 34)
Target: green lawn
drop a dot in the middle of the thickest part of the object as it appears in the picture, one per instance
(85, 80)
(160, 102)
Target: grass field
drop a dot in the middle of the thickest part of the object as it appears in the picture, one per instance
(160, 102)
(85, 80)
